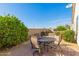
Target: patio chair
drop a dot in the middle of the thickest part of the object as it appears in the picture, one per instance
(34, 45)
(57, 46)
(58, 38)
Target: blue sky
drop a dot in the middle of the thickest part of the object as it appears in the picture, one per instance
(39, 15)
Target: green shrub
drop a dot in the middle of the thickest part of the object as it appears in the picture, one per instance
(12, 31)
(68, 36)
(57, 33)
(60, 28)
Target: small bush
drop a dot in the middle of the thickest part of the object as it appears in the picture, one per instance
(12, 31)
(68, 36)
(57, 33)
(60, 28)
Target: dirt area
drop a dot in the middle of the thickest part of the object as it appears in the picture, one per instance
(24, 49)
(69, 49)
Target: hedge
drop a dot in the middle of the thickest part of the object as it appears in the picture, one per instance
(68, 36)
(12, 31)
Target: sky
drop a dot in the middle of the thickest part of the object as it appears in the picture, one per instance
(39, 15)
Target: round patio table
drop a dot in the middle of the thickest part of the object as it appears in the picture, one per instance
(46, 41)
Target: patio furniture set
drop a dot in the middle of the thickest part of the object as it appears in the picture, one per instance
(39, 45)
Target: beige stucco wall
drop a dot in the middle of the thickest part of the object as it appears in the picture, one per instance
(75, 24)
(77, 13)
(36, 31)
(74, 16)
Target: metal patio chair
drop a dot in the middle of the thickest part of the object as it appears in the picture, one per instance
(34, 45)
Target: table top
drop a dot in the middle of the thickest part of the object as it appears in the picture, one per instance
(46, 39)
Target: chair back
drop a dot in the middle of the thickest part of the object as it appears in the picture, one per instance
(34, 42)
(60, 39)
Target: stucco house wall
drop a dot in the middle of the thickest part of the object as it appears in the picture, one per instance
(75, 19)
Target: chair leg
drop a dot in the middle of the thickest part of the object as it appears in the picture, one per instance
(36, 53)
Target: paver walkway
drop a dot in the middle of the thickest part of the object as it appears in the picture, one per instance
(65, 49)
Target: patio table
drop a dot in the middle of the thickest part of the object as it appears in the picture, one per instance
(46, 40)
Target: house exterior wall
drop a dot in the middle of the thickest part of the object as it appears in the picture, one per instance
(36, 31)
(74, 15)
(75, 20)
(50, 34)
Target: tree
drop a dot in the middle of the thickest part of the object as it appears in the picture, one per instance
(60, 28)
(12, 31)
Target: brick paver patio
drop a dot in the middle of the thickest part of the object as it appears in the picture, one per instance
(65, 49)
